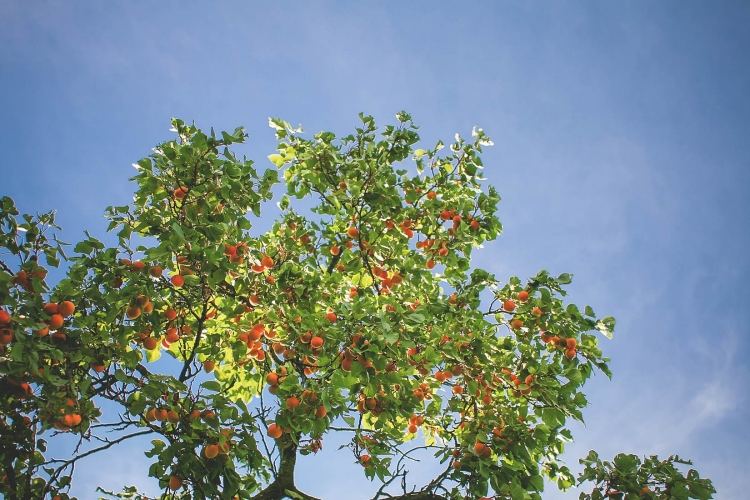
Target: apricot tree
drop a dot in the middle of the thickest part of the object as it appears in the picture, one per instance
(357, 312)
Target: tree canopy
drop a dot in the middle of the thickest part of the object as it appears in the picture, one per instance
(358, 312)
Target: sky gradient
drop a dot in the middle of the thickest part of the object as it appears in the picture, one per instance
(622, 156)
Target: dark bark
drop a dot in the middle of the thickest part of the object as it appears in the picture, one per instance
(283, 486)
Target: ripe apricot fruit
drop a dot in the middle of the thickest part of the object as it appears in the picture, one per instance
(275, 431)
(180, 192)
(272, 378)
(133, 312)
(266, 261)
(211, 451)
(316, 342)
(321, 411)
(292, 402)
(331, 316)
(482, 449)
(56, 321)
(209, 365)
(150, 343)
(173, 335)
(178, 280)
(175, 483)
(516, 324)
(509, 305)
(50, 308)
(66, 308)
(352, 232)
(523, 295)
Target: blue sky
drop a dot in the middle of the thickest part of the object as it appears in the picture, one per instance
(621, 155)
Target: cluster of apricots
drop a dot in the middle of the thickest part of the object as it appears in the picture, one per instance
(221, 447)
(569, 345)
(517, 381)
(25, 277)
(162, 415)
(138, 266)
(56, 314)
(308, 401)
(388, 280)
(265, 263)
(423, 391)
(69, 417)
(373, 404)
(138, 305)
(414, 422)
(253, 338)
(236, 253)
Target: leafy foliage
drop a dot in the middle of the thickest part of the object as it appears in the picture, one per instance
(357, 312)
(628, 477)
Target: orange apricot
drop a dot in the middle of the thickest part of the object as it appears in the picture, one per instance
(175, 483)
(133, 312)
(51, 308)
(292, 402)
(211, 451)
(56, 321)
(275, 431)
